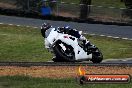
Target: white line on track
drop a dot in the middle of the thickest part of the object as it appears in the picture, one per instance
(125, 38)
(111, 7)
(130, 39)
(11, 24)
(27, 26)
(122, 8)
(83, 33)
(18, 25)
(92, 34)
(109, 36)
(102, 35)
(116, 37)
(35, 27)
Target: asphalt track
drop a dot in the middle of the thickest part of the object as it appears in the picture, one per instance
(124, 32)
(28, 64)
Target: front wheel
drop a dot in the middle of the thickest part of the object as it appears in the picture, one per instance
(97, 56)
(64, 55)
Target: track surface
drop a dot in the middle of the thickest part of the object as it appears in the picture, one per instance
(28, 64)
(99, 29)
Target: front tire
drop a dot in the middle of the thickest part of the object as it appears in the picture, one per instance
(61, 55)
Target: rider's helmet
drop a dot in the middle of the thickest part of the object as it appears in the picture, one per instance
(44, 27)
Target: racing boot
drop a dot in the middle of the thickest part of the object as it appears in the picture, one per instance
(57, 59)
(54, 58)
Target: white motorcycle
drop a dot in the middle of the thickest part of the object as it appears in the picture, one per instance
(68, 48)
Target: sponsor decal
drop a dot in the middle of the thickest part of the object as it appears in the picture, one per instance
(101, 78)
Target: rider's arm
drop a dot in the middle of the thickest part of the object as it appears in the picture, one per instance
(43, 33)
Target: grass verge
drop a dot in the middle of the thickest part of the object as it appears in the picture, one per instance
(107, 3)
(28, 82)
(26, 44)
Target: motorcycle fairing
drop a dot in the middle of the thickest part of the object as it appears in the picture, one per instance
(79, 52)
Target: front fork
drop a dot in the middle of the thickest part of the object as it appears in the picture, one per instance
(89, 48)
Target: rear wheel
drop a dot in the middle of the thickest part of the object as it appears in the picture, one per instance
(62, 55)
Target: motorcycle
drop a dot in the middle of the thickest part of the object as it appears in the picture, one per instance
(68, 48)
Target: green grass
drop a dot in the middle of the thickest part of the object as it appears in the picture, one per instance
(115, 3)
(107, 3)
(28, 82)
(112, 48)
(26, 44)
(22, 44)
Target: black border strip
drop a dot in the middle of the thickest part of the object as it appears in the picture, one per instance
(28, 64)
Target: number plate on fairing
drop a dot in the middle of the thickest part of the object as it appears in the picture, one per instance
(63, 47)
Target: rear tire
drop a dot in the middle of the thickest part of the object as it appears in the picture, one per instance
(61, 56)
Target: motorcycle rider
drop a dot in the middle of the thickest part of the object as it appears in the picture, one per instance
(44, 27)
(66, 30)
